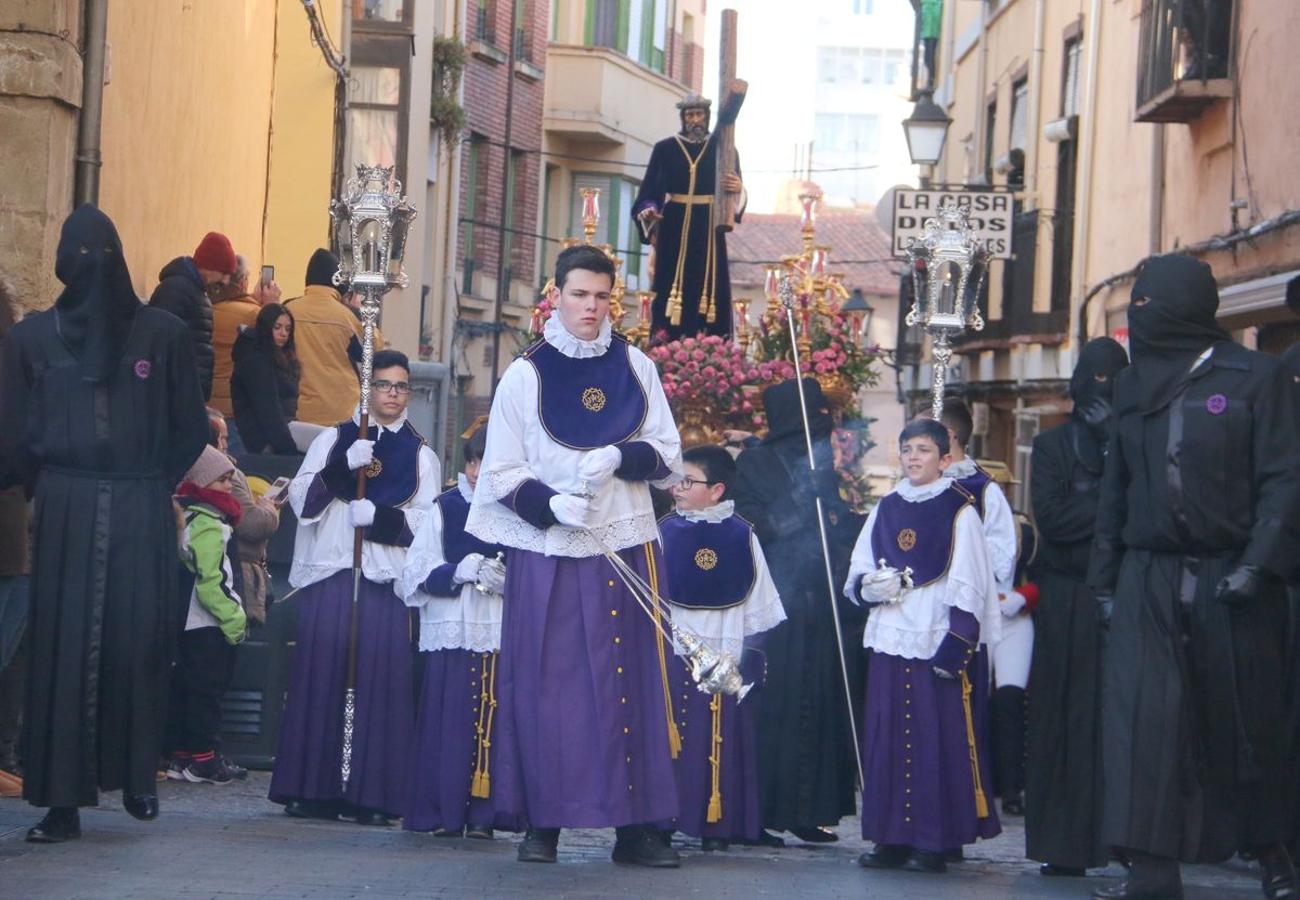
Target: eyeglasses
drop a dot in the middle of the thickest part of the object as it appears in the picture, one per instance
(390, 387)
(688, 482)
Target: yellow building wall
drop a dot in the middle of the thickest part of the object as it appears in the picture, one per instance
(302, 149)
(186, 113)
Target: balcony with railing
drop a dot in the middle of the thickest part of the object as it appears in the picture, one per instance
(1183, 64)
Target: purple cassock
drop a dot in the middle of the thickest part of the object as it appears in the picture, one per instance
(924, 737)
(309, 758)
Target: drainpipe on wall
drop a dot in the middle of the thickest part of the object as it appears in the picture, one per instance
(88, 160)
(981, 91)
(1077, 309)
(1035, 103)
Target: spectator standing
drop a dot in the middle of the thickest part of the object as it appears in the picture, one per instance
(328, 337)
(184, 287)
(234, 311)
(265, 381)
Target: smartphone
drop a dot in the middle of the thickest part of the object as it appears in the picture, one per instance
(268, 274)
(275, 493)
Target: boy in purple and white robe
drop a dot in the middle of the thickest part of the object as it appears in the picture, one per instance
(720, 591)
(927, 790)
(403, 475)
(454, 579)
(579, 425)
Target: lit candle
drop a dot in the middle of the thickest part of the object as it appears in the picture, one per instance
(742, 315)
(645, 297)
(536, 324)
(591, 206)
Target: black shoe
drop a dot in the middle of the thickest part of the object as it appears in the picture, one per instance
(479, 832)
(539, 845)
(926, 861)
(955, 855)
(312, 809)
(212, 770)
(1051, 870)
(141, 806)
(815, 835)
(448, 832)
(1132, 889)
(375, 817)
(642, 846)
(1013, 804)
(710, 844)
(239, 773)
(1279, 875)
(61, 823)
(885, 856)
(766, 839)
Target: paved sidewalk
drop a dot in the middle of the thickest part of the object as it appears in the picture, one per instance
(229, 841)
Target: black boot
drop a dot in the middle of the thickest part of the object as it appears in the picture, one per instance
(539, 845)
(61, 823)
(1008, 720)
(641, 845)
(312, 809)
(1149, 878)
(885, 856)
(1279, 874)
(141, 806)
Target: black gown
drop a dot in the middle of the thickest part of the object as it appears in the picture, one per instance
(103, 458)
(1193, 718)
(668, 172)
(1063, 769)
(807, 773)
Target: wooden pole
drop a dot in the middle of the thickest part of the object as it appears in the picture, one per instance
(733, 92)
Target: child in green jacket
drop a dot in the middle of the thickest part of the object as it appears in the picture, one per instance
(214, 625)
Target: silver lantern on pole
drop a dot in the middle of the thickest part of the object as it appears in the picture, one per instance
(949, 265)
(371, 223)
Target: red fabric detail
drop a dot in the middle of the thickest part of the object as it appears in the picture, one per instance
(1029, 591)
(215, 253)
(222, 501)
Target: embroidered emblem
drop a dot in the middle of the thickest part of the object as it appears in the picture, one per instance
(705, 558)
(143, 369)
(593, 399)
(374, 468)
(906, 539)
(1216, 404)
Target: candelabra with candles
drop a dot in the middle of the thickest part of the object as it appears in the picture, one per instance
(640, 332)
(949, 264)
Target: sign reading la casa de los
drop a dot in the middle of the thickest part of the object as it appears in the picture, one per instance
(990, 215)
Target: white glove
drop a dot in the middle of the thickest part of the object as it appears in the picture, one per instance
(1011, 603)
(492, 577)
(570, 510)
(361, 453)
(467, 569)
(597, 466)
(361, 513)
(882, 591)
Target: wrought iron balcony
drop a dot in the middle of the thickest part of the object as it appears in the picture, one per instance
(1183, 58)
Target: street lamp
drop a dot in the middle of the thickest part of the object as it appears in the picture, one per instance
(926, 130)
(860, 313)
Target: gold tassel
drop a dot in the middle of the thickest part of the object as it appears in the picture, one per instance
(981, 801)
(713, 310)
(675, 305)
(715, 762)
(674, 736)
(481, 784)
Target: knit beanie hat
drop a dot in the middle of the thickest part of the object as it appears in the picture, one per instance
(216, 254)
(321, 268)
(210, 466)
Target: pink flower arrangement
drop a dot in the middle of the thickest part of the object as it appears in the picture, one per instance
(709, 372)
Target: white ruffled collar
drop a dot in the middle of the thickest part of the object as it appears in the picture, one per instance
(912, 494)
(963, 468)
(717, 513)
(575, 347)
(394, 427)
(462, 484)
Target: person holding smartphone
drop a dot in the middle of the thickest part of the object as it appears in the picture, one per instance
(234, 311)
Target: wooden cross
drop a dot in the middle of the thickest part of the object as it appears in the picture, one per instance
(733, 92)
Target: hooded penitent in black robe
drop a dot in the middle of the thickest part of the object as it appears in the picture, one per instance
(806, 768)
(1063, 772)
(101, 414)
(700, 270)
(1201, 484)
(1291, 359)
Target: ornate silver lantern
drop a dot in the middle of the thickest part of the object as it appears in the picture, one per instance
(371, 223)
(949, 265)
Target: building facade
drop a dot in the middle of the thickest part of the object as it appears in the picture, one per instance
(1120, 136)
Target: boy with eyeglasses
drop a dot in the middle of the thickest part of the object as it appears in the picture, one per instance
(402, 478)
(720, 591)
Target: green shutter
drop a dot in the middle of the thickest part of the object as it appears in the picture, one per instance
(624, 16)
(645, 53)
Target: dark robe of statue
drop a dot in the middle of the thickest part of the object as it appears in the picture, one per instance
(1063, 768)
(806, 768)
(1195, 531)
(690, 253)
(100, 416)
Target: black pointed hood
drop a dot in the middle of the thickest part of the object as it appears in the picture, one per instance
(98, 304)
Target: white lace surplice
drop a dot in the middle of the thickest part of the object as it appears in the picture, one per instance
(518, 448)
(914, 628)
(725, 630)
(999, 525)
